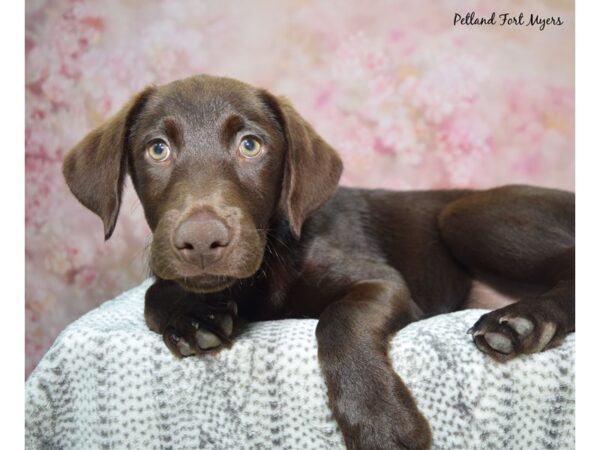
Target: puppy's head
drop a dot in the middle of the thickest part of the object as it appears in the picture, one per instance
(213, 160)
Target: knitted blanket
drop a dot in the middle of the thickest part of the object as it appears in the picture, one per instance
(109, 382)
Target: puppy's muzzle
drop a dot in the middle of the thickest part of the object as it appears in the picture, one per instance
(202, 239)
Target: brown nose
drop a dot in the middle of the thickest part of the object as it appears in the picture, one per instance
(201, 239)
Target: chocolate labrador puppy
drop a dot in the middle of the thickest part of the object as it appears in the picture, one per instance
(242, 198)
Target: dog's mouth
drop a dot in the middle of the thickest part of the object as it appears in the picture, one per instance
(203, 284)
(208, 269)
(202, 280)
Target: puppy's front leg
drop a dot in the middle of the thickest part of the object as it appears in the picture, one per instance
(372, 406)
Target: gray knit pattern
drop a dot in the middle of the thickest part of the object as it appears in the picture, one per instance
(110, 383)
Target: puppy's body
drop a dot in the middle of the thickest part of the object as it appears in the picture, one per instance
(247, 220)
(299, 278)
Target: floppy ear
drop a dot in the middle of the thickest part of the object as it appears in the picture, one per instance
(95, 168)
(312, 168)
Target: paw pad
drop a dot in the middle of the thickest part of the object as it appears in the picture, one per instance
(504, 334)
(522, 326)
(207, 340)
(194, 332)
(498, 342)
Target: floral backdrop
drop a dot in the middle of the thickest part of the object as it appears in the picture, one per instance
(409, 100)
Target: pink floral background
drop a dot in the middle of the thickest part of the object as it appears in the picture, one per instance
(408, 99)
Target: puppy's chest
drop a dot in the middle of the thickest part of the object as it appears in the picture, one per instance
(285, 294)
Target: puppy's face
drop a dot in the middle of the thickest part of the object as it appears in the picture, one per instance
(213, 161)
(206, 157)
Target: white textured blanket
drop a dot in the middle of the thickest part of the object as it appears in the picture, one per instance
(109, 382)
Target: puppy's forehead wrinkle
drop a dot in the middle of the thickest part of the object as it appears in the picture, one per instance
(203, 99)
(174, 130)
(201, 113)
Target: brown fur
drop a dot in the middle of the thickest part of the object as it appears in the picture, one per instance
(365, 262)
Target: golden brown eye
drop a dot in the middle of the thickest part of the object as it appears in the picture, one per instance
(250, 147)
(158, 151)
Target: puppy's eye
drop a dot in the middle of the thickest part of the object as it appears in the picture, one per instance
(158, 151)
(250, 147)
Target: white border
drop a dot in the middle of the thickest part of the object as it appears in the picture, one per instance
(587, 221)
(588, 224)
(12, 240)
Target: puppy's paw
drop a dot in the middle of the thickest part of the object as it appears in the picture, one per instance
(202, 329)
(525, 327)
(383, 416)
(390, 429)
